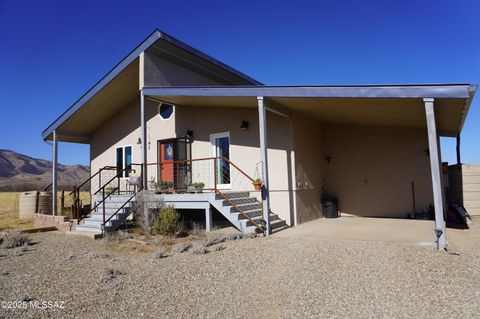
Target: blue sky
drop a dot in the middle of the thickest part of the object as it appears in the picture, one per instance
(52, 52)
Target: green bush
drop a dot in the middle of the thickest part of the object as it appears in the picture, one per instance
(167, 222)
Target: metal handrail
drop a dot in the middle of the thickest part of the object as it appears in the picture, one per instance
(91, 177)
(103, 189)
(116, 212)
(118, 175)
(215, 189)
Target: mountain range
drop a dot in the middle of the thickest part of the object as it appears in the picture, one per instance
(19, 172)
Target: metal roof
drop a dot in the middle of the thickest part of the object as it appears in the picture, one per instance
(345, 91)
(132, 56)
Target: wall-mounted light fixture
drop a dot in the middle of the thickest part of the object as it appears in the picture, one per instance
(244, 125)
(328, 158)
(427, 151)
(189, 134)
(139, 141)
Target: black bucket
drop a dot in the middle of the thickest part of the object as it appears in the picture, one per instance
(330, 208)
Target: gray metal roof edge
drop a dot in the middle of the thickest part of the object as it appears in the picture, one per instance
(102, 82)
(468, 103)
(184, 46)
(397, 91)
(145, 44)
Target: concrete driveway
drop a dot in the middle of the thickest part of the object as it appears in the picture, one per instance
(365, 229)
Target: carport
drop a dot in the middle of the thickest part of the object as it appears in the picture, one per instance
(404, 231)
(438, 110)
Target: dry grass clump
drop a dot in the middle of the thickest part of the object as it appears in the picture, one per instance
(109, 274)
(214, 238)
(158, 254)
(199, 247)
(235, 236)
(180, 248)
(14, 239)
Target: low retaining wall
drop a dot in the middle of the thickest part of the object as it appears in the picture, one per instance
(60, 222)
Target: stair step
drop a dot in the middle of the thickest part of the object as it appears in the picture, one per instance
(240, 201)
(277, 223)
(233, 195)
(247, 207)
(89, 228)
(99, 217)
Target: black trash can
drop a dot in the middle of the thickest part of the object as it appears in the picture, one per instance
(330, 208)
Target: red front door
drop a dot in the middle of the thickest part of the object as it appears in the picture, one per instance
(166, 158)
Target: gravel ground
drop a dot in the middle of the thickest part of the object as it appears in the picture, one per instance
(256, 278)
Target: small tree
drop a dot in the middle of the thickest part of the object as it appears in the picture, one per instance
(146, 209)
(168, 222)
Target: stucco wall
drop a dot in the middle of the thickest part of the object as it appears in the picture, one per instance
(124, 129)
(245, 152)
(372, 168)
(308, 146)
(160, 72)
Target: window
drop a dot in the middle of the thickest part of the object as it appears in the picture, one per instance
(165, 111)
(123, 159)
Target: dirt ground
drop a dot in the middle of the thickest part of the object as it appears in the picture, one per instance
(257, 278)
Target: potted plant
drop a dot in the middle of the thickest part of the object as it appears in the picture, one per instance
(164, 186)
(191, 188)
(257, 184)
(199, 186)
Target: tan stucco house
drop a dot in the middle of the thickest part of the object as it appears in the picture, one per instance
(176, 118)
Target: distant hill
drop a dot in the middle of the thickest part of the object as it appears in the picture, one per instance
(20, 172)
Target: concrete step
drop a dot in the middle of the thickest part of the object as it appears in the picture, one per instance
(99, 217)
(85, 233)
(96, 229)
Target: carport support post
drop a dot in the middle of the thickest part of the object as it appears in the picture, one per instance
(54, 172)
(436, 173)
(459, 160)
(262, 121)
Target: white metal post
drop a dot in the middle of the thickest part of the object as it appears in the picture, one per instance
(436, 173)
(54, 172)
(208, 218)
(262, 121)
(144, 140)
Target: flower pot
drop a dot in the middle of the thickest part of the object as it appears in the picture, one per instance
(257, 186)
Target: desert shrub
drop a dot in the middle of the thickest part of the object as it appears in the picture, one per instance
(220, 247)
(167, 222)
(109, 274)
(234, 236)
(214, 238)
(199, 247)
(14, 239)
(158, 254)
(145, 210)
(197, 231)
(250, 234)
(116, 237)
(180, 248)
